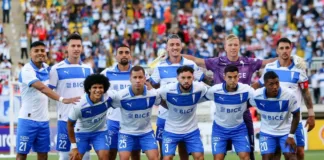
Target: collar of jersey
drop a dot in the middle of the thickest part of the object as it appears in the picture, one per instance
(289, 67)
(224, 87)
(169, 63)
(89, 100)
(179, 91)
(132, 93)
(67, 61)
(265, 95)
(117, 69)
(34, 66)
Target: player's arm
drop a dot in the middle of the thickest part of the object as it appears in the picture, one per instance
(161, 98)
(70, 127)
(266, 61)
(294, 124)
(309, 104)
(200, 62)
(155, 78)
(51, 94)
(208, 80)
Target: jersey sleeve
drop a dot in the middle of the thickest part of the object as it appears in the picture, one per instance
(293, 107)
(162, 92)
(198, 73)
(251, 93)
(256, 64)
(158, 99)
(115, 100)
(211, 63)
(210, 94)
(155, 76)
(53, 78)
(303, 80)
(28, 76)
(261, 79)
(74, 114)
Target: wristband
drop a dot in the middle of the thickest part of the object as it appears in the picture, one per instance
(291, 135)
(61, 99)
(73, 145)
(311, 112)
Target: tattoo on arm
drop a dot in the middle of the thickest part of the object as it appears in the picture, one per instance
(307, 98)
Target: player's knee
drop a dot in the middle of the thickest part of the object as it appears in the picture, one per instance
(86, 156)
(136, 155)
(219, 157)
(300, 152)
(63, 155)
(244, 155)
(42, 156)
(112, 154)
(21, 156)
(167, 157)
(199, 157)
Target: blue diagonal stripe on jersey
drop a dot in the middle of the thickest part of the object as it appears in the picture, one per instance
(118, 76)
(231, 99)
(138, 103)
(72, 72)
(286, 76)
(183, 100)
(169, 71)
(94, 110)
(272, 106)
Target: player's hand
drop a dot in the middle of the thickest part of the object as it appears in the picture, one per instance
(148, 85)
(291, 143)
(162, 53)
(299, 62)
(75, 155)
(310, 123)
(71, 100)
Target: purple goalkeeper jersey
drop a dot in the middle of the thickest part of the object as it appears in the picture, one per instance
(246, 66)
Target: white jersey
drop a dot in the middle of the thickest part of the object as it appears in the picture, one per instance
(275, 112)
(166, 72)
(135, 111)
(118, 80)
(67, 80)
(230, 106)
(289, 77)
(182, 107)
(90, 117)
(34, 103)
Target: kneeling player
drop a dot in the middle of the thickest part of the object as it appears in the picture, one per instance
(87, 120)
(135, 103)
(275, 104)
(181, 123)
(230, 99)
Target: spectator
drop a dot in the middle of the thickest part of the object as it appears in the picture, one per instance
(5, 52)
(23, 45)
(315, 85)
(6, 6)
(5, 64)
(321, 83)
(17, 70)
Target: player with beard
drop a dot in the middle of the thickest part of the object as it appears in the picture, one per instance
(181, 123)
(33, 121)
(118, 76)
(247, 66)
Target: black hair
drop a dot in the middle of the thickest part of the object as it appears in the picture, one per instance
(96, 79)
(270, 75)
(123, 45)
(173, 36)
(185, 69)
(231, 68)
(137, 68)
(74, 36)
(283, 40)
(36, 44)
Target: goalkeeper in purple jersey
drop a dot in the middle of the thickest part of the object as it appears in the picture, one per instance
(247, 66)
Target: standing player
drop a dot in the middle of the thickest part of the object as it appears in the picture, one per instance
(67, 79)
(295, 79)
(135, 103)
(118, 76)
(181, 123)
(275, 104)
(165, 73)
(230, 99)
(247, 66)
(87, 120)
(33, 121)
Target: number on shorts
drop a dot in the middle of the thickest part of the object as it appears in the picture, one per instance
(22, 146)
(159, 135)
(166, 148)
(62, 144)
(263, 146)
(214, 146)
(122, 143)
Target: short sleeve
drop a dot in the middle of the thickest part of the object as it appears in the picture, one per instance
(211, 63)
(115, 100)
(28, 76)
(73, 114)
(256, 64)
(303, 77)
(252, 101)
(293, 107)
(162, 92)
(53, 79)
(251, 93)
(198, 73)
(158, 99)
(155, 76)
(210, 93)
